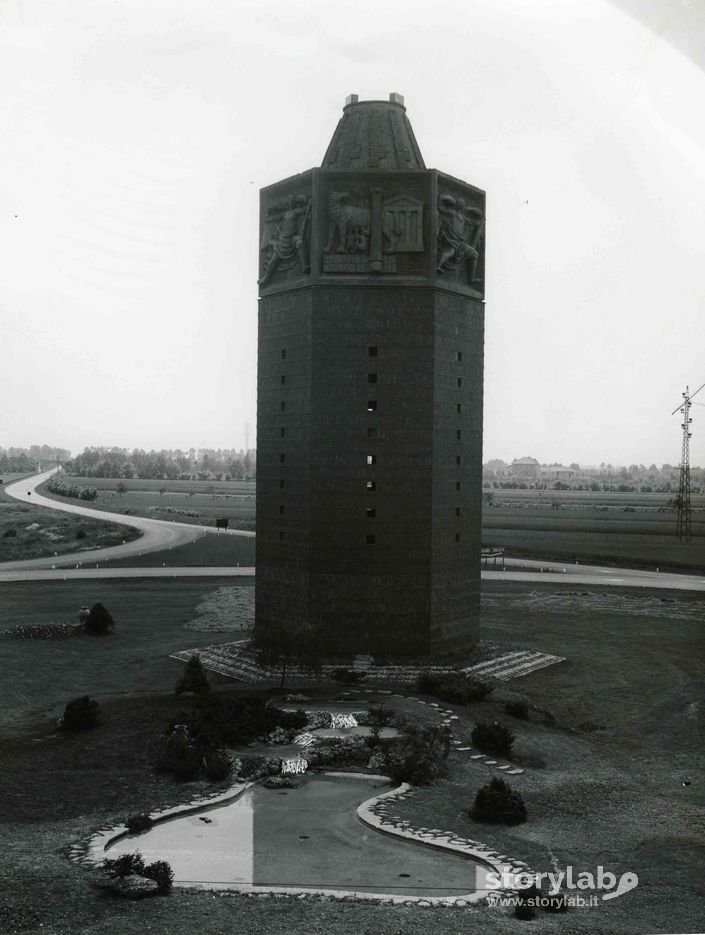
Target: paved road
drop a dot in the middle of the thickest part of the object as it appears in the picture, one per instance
(156, 534)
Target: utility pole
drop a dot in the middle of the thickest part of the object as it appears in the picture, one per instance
(683, 515)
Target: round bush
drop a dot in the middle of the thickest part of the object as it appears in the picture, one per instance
(497, 802)
(138, 823)
(160, 871)
(492, 738)
(99, 620)
(80, 714)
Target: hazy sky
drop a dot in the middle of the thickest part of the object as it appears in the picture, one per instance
(137, 133)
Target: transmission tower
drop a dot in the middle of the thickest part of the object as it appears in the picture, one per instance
(683, 517)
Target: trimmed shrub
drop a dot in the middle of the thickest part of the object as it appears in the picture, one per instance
(123, 866)
(81, 534)
(160, 871)
(418, 756)
(99, 620)
(517, 709)
(194, 678)
(9, 534)
(136, 824)
(129, 864)
(453, 687)
(180, 754)
(492, 738)
(498, 803)
(80, 714)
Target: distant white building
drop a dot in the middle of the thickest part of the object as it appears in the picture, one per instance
(525, 467)
(557, 472)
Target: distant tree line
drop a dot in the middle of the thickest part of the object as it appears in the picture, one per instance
(204, 464)
(635, 478)
(25, 460)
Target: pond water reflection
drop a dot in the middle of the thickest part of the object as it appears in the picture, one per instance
(309, 838)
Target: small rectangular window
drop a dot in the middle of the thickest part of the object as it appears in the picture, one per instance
(457, 511)
(371, 540)
(282, 431)
(371, 377)
(460, 382)
(458, 485)
(459, 408)
(459, 434)
(371, 485)
(281, 535)
(457, 537)
(282, 484)
(458, 459)
(282, 405)
(283, 354)
(372, 405)
(281, 510)
(371, 512)
(372, 351)
(460, 356)
(282, 379)
(372, 432)
(372, 459)
(282, 458)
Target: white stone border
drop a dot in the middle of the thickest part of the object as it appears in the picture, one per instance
(92, 853)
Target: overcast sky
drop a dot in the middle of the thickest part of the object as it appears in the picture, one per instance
(137, 134)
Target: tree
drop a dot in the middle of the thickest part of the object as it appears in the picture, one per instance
(283, 645)
(194, 678)
(121, 488)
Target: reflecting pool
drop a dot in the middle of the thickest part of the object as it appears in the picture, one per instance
(309, 838)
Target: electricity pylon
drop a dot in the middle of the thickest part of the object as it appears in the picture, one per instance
(683, 517)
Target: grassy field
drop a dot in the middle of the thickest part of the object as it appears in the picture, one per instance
(601, 527)
(209, 550)
(603, 783)
(57, 532)
(200, 502)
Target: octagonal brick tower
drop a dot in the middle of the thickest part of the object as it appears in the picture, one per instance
(369, 418)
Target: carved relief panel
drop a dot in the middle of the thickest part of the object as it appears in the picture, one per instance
(285, 234)
(460, 241)
(375, 225)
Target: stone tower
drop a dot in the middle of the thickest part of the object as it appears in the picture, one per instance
(369, 418)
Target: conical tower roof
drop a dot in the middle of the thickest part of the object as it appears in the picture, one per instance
(373, 135)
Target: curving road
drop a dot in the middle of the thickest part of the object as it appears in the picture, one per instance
(156, 535)
(159, 534)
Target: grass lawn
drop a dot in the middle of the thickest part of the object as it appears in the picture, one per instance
(199, 502)
(211, 550)
(603, 783)
(625, 529)
(57, 534)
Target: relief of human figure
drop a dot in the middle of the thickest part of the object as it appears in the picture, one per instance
(286, 236)
(460, 227)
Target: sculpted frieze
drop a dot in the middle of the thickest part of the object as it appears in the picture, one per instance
(286, 238)
(461, 228)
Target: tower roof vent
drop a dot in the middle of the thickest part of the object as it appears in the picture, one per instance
(373, 135)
